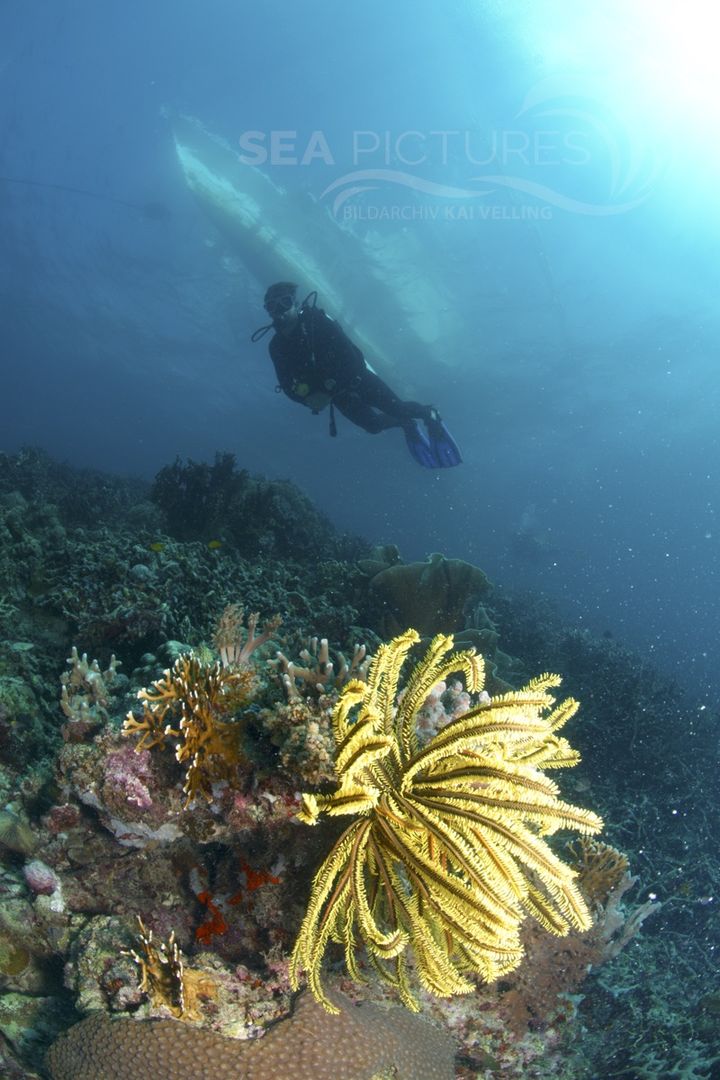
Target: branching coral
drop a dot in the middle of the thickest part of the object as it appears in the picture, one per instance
(85, 695)
(446, 855)
(165, 978)
(316, 673)
(236, 646)
(201, 694)
(199, 697)
(600, 868)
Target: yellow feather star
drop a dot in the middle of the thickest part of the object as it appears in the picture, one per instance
(446, 855)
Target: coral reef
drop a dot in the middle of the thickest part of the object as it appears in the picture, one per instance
(72, 496)
(261, 518)
(94, 834)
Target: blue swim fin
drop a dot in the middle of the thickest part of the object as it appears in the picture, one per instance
(419, 445)
(443, 447)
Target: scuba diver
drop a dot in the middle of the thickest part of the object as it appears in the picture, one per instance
(318, 365)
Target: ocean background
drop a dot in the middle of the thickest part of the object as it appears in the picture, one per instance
(579, 370)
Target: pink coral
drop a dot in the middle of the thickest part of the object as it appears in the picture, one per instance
(129, 773)
(443, 704)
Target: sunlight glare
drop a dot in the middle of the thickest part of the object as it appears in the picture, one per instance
(654, 56)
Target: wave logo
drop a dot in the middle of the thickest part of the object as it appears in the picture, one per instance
(565, 150)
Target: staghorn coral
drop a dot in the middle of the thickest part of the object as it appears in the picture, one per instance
(446, 855)
(199, 696)
(362, 1042)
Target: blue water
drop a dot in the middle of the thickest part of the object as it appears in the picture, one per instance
(578, 361)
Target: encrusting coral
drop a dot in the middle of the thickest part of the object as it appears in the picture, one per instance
(446, 856)
(302, 733)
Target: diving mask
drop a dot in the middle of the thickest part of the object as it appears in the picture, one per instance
(279, 305)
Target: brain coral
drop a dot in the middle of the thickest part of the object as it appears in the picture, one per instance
(364, 1042)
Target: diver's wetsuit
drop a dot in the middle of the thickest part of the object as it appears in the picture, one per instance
(317, 364)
